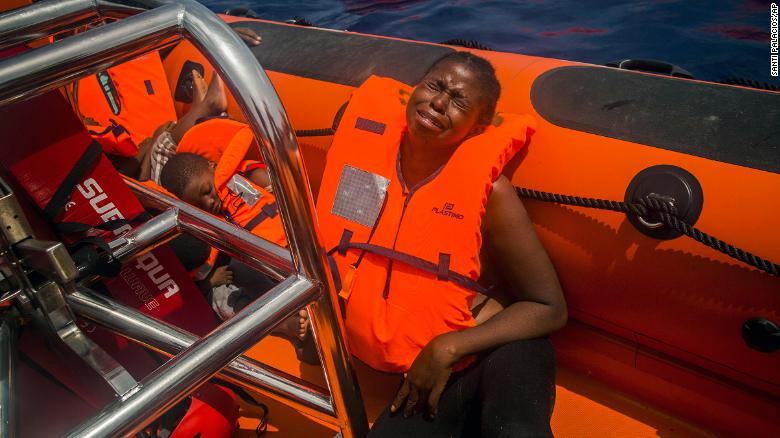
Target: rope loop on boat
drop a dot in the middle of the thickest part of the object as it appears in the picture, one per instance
(659, 210)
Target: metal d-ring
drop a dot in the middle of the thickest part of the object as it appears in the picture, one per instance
(658, 224)
(649, 224)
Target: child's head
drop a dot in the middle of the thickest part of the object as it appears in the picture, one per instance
(191, 178)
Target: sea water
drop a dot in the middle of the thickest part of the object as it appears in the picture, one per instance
(714, 40)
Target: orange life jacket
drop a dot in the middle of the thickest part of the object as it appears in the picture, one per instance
(408, 259)
(227, 142)
(125, 104)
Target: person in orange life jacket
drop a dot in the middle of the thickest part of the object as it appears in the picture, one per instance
(429, 148)
(191, 178)
(208, 101)
(129, 111)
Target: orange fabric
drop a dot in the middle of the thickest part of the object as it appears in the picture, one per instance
(7, 5)
(125, 104)
(441, 216)
(154, 186)
(211, 138)
(228, 143)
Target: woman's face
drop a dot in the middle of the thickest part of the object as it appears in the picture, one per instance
(445, 107)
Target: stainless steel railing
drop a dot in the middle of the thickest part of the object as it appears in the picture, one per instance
(184, 373)
(7, 378)
(170, 340)
(307, 273)
(52, 17)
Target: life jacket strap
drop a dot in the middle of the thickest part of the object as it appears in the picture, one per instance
(440, 269)
(114, 128)
(268, 211)
(337, 284)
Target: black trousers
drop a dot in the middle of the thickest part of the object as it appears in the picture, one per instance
(509, 392)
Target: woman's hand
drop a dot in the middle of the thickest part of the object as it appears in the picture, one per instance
(249, 36)
(428, 376)
(222, 275)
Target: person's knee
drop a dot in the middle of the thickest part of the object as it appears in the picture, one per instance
(521, 374)
(529, 354)
(517, 389)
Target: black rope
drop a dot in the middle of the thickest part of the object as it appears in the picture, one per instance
(300, 21)
(469, 44)
(323, 132)
(742, 82)
(654, 208)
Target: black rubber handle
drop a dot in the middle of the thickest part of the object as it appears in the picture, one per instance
(242, 12)
(652, 66)
(761, 335)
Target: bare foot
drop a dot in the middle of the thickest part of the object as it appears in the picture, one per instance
(303, 323)
(296, 326)
(199, 87)
(211, 100)
(207, 101)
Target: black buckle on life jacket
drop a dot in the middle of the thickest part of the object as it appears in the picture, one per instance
(346, 236)
(266, 211)
(443, 270)
(271, 210)
(116, 128)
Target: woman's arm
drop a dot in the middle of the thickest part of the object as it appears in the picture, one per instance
(538, 307)
(523, 269)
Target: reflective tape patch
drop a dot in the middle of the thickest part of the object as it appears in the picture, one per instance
(360, 196)
(241, 187)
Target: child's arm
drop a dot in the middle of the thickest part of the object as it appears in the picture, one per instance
(148, 150)
(221, 275)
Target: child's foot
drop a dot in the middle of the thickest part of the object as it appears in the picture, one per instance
(210, 99)
(199, 87)
(294, 327)
(207, 101)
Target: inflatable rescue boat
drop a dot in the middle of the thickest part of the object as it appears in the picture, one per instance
(627, 174)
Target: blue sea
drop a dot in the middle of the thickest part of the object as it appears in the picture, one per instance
(714, 40)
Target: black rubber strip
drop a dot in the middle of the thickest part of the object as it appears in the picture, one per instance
(727, 124)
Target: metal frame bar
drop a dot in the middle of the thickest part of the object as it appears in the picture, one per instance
(147, 236)
(52, 66)
(44, 19)
(170, 383)
(7, 379)
(170, 340)
(234, 241)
